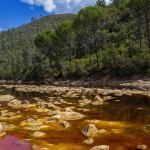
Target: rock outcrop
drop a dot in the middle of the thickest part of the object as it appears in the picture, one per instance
(89, 130)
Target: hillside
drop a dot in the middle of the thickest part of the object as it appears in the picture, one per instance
(16, 45)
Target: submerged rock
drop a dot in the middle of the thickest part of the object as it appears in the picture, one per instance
(141, 147)
(101, 131)
(89, 130)
(101, 147)
(38, 134)
(88, 141)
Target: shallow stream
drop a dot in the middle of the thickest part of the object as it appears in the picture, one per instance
(123, 118)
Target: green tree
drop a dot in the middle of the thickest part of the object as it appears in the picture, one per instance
(45, 42)
(141, 7)
(117, 3)
(146, 9)
(91, 23)
(136, 8)
(101, 3)
(65, 36)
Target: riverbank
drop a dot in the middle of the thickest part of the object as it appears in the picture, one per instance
(132, 84)
(117, 88)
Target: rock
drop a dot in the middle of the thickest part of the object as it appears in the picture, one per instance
(43, 148)
(84, 102)
(31, 120)
(89, 141)
(2, 130)
(6, 97)
(108, 98)
(89, 130)
(15, 103)
(98, 98)
(101, 131)
(38, 134)
(52, 107)
(10, 127)
(70, 115)
(96, 103)
(3, 112)
(141, 147)
(94, 92)
(64, 124)
(56, 118)
(101, 147)
(83, 109)
(147, 127)
(67, 109)
(94, 121)
(32, 128)
(9, 116)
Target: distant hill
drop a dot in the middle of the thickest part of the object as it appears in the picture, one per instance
(17, 42)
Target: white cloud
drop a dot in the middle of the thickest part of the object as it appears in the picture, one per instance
(1, 29)
(48, 5)
(61, 6)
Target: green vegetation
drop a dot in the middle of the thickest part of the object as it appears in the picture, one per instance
(17, 49)
(111, 40)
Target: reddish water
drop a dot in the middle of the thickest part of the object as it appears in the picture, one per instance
(14, 143)
(123, 120)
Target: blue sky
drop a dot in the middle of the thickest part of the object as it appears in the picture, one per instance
(14, 13)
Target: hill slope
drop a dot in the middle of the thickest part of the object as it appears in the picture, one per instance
(16, 45)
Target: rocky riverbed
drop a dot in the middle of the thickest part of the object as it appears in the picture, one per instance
(57, 117)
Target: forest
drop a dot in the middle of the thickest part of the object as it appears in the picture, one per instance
(111, 40)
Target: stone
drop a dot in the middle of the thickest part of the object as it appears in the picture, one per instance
(6, 97)
(38, 134)
(56, 118)
(32, 128)
(15, 103)
(10, 127)
(89, 130)
(67, 109)
(98, 98)
(141, 147)
(64, 124)
(70, 115)
(147, 127)
(101, 131)
(2, 130)
(101, 147)
(96, 103)
(89, 141)
(94, 92)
